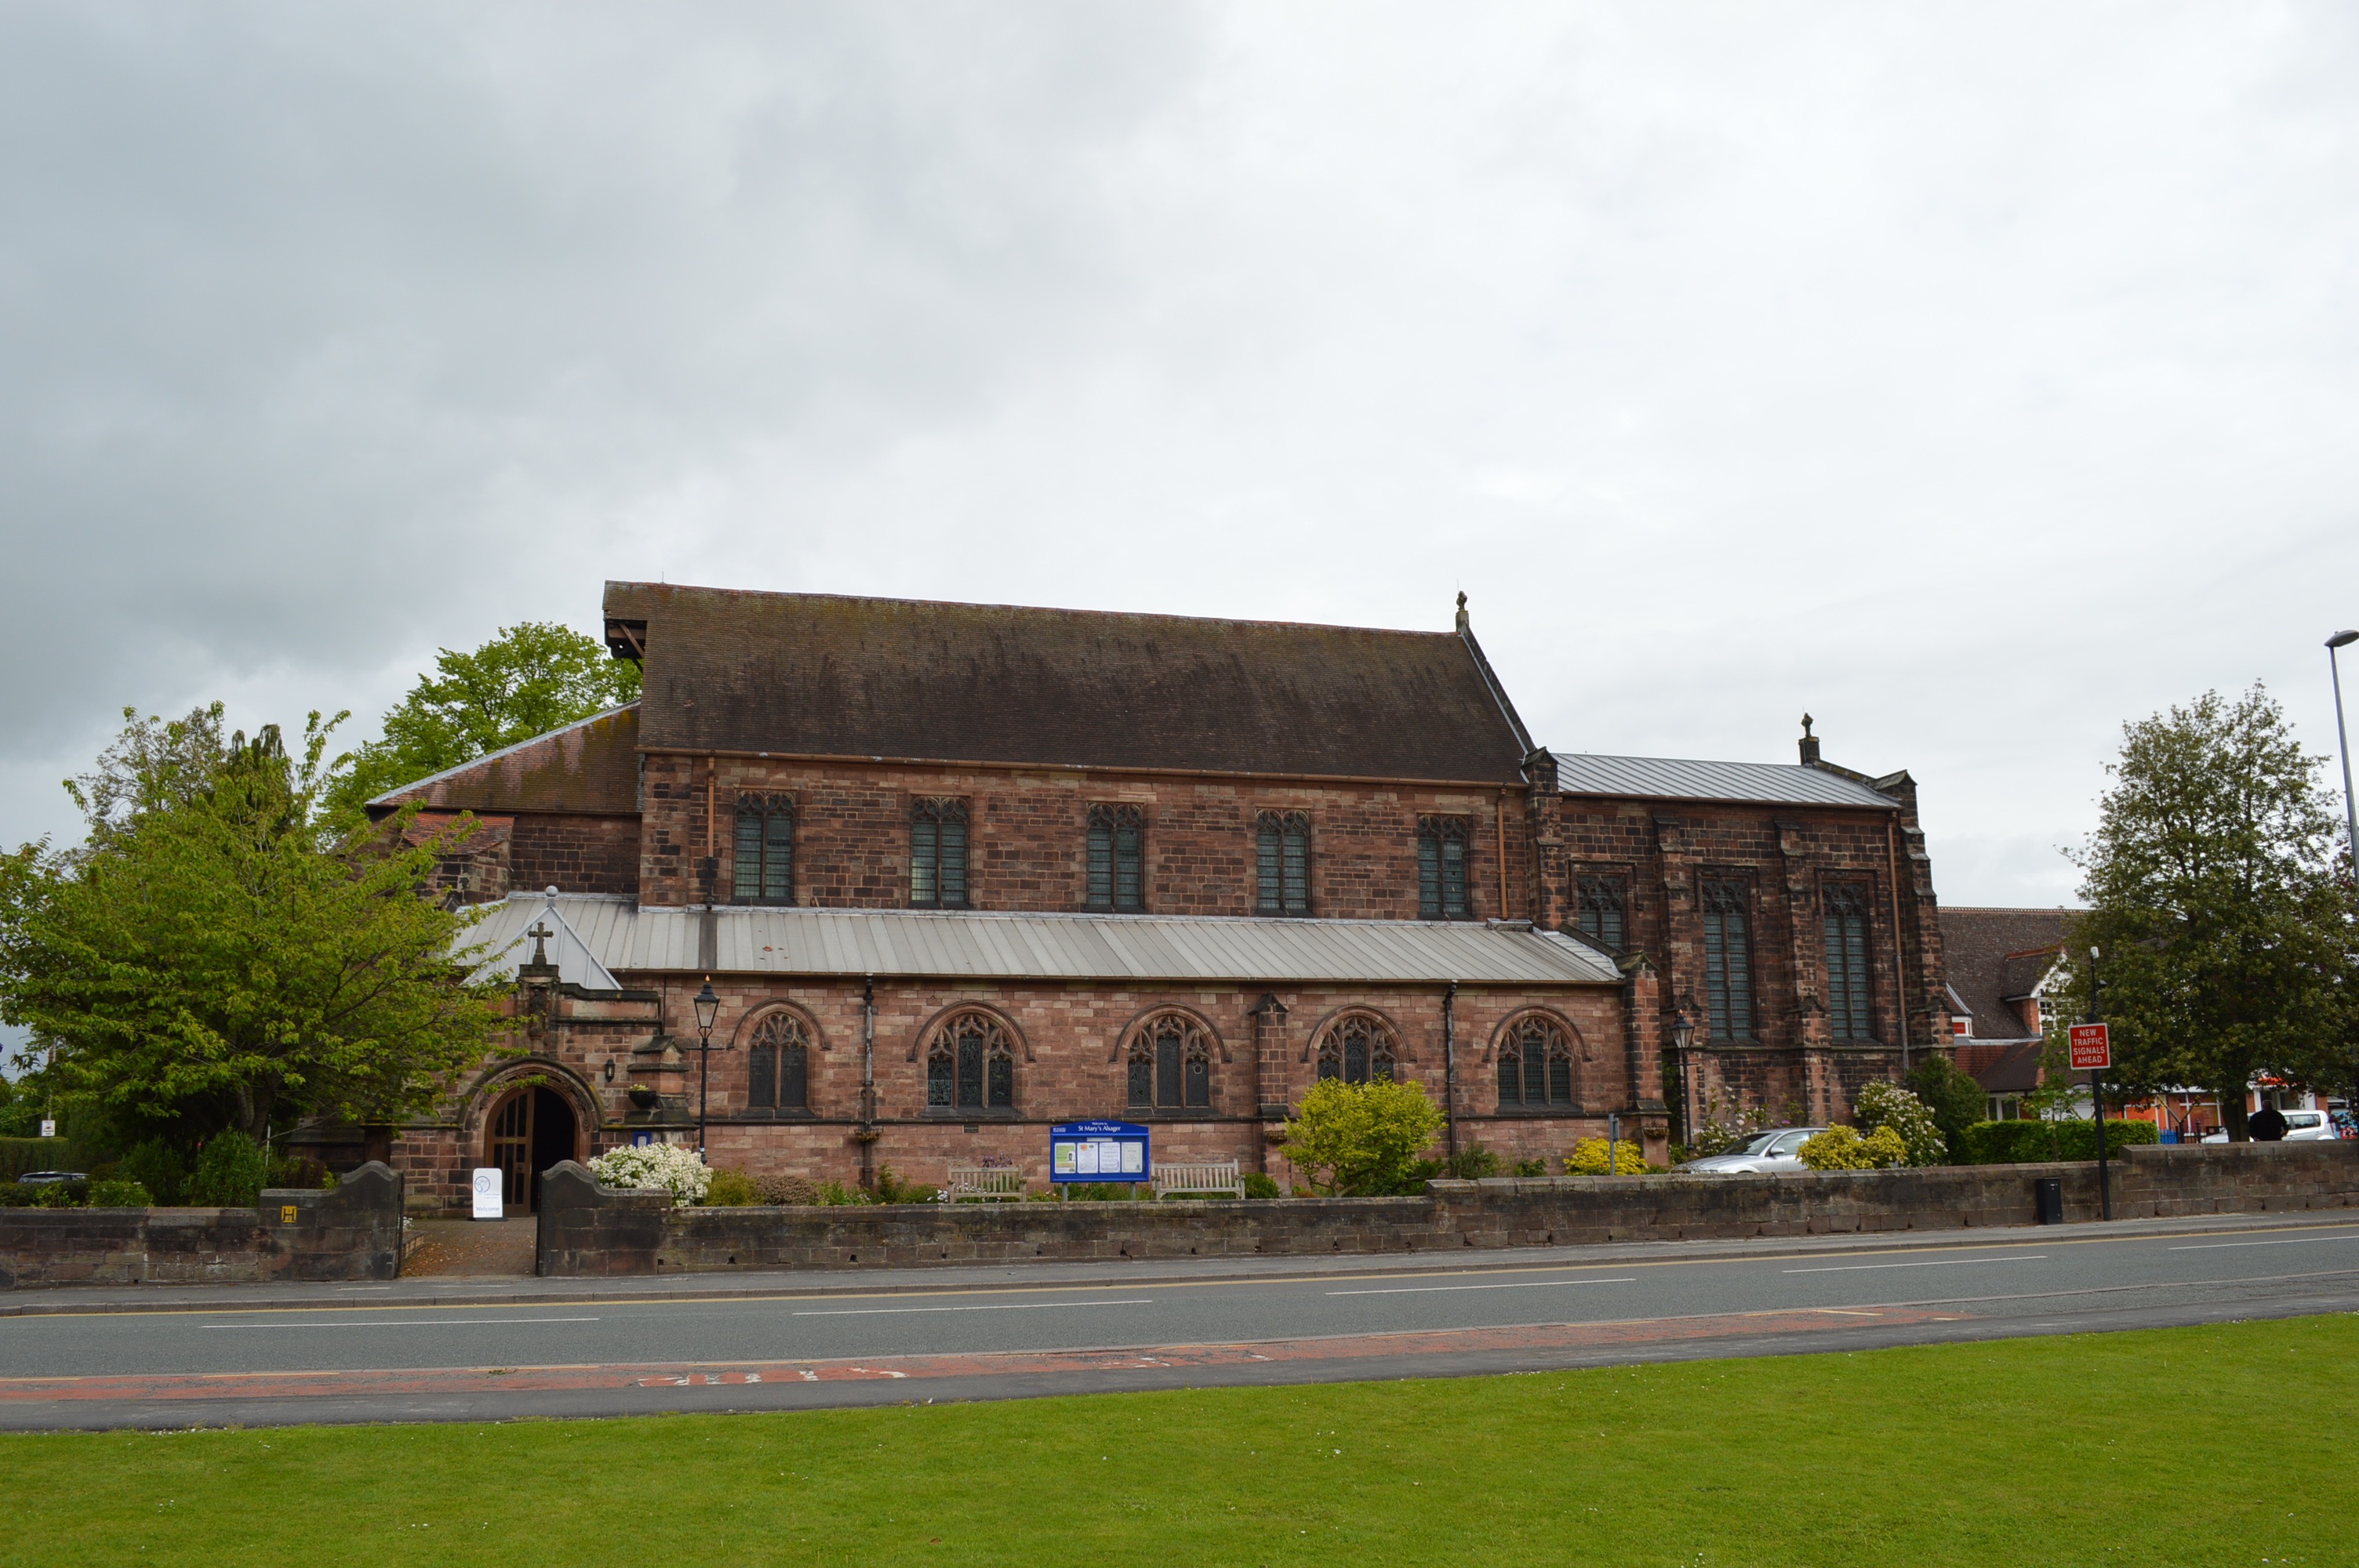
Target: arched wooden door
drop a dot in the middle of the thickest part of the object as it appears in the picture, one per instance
(531, 1129)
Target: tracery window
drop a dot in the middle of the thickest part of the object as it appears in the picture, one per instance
(938, 854)
(1357, 1049)
(764, 871)
(1728, 959)
(1605, 910)
(971, 1064)
(1535, 1065)
(1283, 862)
(1117, 835)
(1441, 851)
(777, 1064)
(1171, 1064)
(1846, 924)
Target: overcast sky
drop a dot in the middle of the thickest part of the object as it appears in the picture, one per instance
(1973, 377)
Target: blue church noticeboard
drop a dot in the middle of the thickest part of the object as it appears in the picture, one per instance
(1099, 1151)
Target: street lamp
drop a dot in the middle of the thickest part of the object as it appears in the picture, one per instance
(1682, 1032)
(708, 1008)
(2350, 812)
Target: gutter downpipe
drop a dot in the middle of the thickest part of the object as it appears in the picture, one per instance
(1899, 950)
(867, 1133)
(1449, 1071)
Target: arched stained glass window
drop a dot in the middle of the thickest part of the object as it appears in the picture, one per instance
(1170, 1064)
(1535, 1065)
(971, 1064)
(1357, 1049)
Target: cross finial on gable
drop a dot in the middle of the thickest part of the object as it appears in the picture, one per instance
(540, 934)
(1462, 623)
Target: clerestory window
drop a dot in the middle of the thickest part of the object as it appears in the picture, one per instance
(1846, 928)
(1283, 862)
(1117, 854)
(764, 869)
(938, 854)
(1728, 958)
(1604, 911)
(1441, 855)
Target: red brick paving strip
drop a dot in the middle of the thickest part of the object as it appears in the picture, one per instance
(1028, 1363)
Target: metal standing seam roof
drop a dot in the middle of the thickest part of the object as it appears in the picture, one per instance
(1674, 778)
(993, 945)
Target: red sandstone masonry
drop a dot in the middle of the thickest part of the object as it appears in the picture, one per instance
(588, 1231)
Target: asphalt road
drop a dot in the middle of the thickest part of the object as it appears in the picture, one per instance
(466, 1360)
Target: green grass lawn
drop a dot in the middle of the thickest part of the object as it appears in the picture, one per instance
(2228, 1444)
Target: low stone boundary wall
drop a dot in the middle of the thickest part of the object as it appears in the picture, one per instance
(352, 1231)
(586, 1229)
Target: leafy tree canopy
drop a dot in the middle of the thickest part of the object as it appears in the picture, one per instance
(2223, 932)
(533, 678)
(216, 956)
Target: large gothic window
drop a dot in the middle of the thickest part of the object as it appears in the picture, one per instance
(1846, 922)
(1728, 959)
(938, 854)
(1357, 1049)
(1442, 853)
(1535, 1065)
(1605, 910)
(1282, 862)
(765, 866)
(777, 1064)
(971, 1064)
(1116, 856)
(1170, 1064)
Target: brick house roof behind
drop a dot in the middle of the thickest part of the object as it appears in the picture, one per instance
(1995, 957)
(822, 675)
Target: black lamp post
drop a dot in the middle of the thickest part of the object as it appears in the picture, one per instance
(708, 1008)
(1682, 1032)
(2342, 740)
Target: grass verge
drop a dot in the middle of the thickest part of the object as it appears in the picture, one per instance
(2195, 1445)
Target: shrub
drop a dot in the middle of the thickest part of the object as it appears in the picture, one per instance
(1531, 1167)
(1359, 1140)
(731, 1189)
(835, 1194)
(1588, 1159)
(159, 1166)
(299, 1170)
(1882, 1104)
(231, 1170)
(1843, 1149)
(891, 1189)
(1956, 1101)
(786, 1190)
(119, 1195)
(60, 1194)
(1257, 1185)
(1096, 1192)
(669, 1167)
(1472, 1163)
(2014, 1143)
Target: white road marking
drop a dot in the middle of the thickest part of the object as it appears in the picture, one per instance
(1517, 1285)
(2285, 1241)
(402, 1322)
(998, 1306)
(1936, 1263)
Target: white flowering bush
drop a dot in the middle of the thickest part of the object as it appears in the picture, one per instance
(1882, 1104)
(671, 1167)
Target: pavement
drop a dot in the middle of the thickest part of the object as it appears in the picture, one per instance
(477, 1348)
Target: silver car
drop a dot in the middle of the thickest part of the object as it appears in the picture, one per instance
(1762, 1154)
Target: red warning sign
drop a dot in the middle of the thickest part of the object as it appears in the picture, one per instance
(2092, 1048)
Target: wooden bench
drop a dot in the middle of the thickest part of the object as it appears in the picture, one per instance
(991, 1183)
(1203, 1178)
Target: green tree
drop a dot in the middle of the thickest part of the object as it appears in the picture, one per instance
(2223, 930)
(533, 678)
(217, 956)
(1361, 1140)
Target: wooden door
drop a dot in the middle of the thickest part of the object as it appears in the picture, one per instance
(512, 1151)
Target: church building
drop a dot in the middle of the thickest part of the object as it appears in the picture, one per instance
(959, 873)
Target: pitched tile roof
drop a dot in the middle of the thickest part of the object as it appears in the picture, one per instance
(1997, 957)
(590, 766)
(821, 674)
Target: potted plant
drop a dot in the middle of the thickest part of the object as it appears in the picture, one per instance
(644, 1095)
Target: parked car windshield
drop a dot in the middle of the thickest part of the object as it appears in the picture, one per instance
(2301, 1119)
(1756, 1144)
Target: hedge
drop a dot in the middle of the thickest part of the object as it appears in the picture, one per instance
(2011, 1142)
(18, 1155)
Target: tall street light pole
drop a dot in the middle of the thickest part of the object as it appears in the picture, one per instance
(708, 1008)
(2350, 812)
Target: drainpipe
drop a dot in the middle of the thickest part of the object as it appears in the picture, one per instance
(1449, 1071)
(866, 1136)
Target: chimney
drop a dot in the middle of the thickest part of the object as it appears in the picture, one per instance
(1809, 744)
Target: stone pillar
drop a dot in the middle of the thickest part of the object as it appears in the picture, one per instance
(1269, 1074)
(1642, 1036)
(1550, 899)
(1805, 953)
